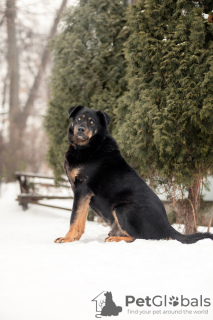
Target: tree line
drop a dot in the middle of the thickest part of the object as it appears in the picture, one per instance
(149, 65)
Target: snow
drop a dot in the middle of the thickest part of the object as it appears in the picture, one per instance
(205, 15)
(40, 279)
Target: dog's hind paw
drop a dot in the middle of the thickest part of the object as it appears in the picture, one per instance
(117, 239)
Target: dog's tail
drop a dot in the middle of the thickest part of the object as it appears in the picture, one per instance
(191, 238)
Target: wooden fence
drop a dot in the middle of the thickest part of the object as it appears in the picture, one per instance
(27, 185)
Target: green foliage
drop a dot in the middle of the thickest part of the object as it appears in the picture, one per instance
(88, 67)
(165, 119)
(172, 216)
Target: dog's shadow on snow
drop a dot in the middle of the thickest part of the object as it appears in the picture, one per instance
(100, 239)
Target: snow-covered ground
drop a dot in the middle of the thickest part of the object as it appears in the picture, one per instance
(42, 280)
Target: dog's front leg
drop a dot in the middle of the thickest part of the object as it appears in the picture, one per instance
(79, 214)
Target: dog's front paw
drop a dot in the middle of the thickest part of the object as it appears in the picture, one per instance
(62, 240)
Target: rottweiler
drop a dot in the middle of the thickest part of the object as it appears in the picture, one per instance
(102, 179)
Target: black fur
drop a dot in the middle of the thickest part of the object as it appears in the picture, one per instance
(115, 185)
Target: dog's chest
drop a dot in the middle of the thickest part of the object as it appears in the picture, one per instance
(74, 172)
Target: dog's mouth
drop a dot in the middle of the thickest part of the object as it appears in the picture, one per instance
(79, 138)
(82, 137)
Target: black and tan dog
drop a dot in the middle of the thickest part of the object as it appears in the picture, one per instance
(101, 178)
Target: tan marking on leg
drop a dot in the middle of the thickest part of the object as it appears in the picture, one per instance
(126, 237)
(78, 226)
(116, 219)
(117, 239)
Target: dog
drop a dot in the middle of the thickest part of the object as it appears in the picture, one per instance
(110, 308)
(102, 179)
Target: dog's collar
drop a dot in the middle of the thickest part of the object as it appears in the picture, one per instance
(74, 145)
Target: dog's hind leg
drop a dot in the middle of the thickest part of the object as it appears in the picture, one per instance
(118, 233)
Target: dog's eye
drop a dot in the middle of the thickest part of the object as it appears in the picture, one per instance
(91, 122)
(79, 119)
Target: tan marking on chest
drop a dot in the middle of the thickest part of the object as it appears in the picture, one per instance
(74, 173)
(118, 224)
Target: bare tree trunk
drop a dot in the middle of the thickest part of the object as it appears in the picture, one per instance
(44, 60)
(13, 70)
(18, 116)
(193, 208)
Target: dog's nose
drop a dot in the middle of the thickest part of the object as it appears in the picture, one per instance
(81, 129)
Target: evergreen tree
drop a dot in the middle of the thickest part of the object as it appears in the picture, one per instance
(88, 67)
(168, 127)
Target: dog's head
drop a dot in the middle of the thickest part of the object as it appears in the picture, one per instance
(85, 124)
(108, 295)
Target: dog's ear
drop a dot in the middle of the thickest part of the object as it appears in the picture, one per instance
(73, 110)
(104, 118)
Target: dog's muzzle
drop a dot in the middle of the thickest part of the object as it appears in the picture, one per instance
(80, 132)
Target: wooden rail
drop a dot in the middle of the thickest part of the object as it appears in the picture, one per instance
(32, 175)
(27, 194)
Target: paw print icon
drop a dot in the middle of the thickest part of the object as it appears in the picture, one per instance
(174, 301)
